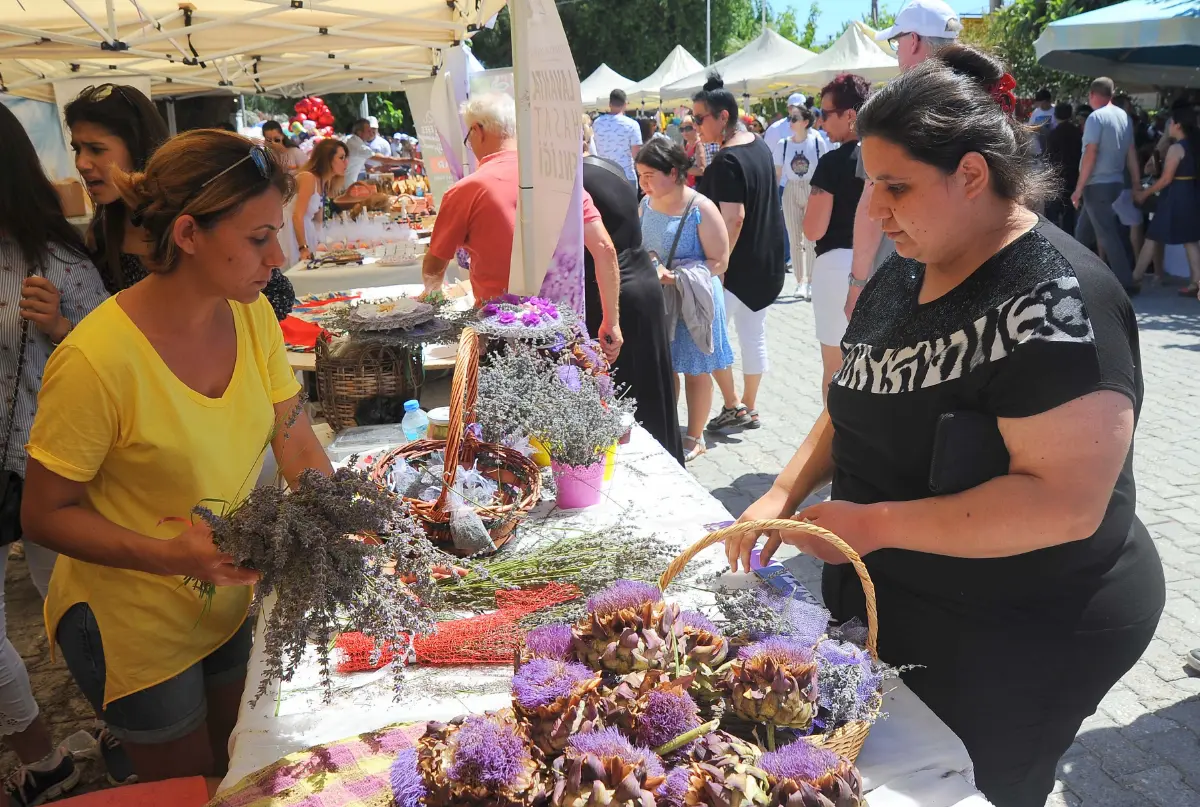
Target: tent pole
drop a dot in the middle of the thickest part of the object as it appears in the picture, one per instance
(708, 31)
(172, 127)
(519, 11)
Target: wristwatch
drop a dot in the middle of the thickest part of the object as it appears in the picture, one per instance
(857, 283)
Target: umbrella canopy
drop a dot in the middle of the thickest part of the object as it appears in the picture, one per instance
(595, 88)
(1153, 43)
(750, 71)
(278, 47)
(678, 64)
(855, 51)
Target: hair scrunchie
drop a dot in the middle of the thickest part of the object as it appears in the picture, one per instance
(1002, 93)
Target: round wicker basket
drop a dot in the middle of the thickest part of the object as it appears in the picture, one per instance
(500, 463)
(847, 739)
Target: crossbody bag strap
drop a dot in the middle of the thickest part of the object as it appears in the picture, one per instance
(679, 231)
(16, 390)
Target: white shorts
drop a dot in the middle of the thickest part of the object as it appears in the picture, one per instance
(830, 285)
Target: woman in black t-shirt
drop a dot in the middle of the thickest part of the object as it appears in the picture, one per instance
(740, 179)
(979, 438)
(829, 220)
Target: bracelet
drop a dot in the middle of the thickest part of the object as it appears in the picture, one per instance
(857, 283)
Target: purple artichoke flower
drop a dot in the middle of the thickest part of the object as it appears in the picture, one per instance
(550, 641)
(488, 754)
(623, 594)
(543, 681)
(799, 761)
(568, 374)
(490, 310)
(407, 786)
(506, 318)
(698, 621)
(673, 791)
(668, 714)
(781, 648)
(607, 743)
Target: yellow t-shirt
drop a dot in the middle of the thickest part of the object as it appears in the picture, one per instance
(111, 414)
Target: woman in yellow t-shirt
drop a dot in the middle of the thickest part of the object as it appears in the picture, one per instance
(164, 397)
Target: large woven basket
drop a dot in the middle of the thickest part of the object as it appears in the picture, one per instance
(498, 462)
(376, 371)
(846, 740)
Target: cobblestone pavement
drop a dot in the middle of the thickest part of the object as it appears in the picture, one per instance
(1141, 748)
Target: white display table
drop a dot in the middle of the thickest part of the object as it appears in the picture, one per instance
(368, 274)
(911, 758)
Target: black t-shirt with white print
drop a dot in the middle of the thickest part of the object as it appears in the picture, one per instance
(1039, 324)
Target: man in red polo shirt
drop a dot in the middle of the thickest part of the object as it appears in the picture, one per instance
(480, 211)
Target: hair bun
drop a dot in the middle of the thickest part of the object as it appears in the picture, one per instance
(714, 82)
(981, 67)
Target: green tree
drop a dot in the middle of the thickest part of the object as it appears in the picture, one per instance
(884, 19)
(1012, 32)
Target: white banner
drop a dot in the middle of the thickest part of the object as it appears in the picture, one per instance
(66, 90)
(423, 95)
(550, 155)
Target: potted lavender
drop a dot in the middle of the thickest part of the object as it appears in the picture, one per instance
(576, 416)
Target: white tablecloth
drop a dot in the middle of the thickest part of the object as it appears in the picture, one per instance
(369, 274)
(910, 759)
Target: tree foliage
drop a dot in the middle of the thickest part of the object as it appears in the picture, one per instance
(885, 18)
(1012, 31)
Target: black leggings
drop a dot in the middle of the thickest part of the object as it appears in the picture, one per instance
(1015, 696)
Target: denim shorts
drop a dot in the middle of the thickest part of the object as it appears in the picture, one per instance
(164, 712)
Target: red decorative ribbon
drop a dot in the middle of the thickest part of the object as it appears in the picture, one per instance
(1001, 91)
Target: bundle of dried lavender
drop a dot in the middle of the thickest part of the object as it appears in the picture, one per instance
(327, 581)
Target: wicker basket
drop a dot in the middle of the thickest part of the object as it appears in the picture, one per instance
(373, 371)
(846, 740)
(503, 464)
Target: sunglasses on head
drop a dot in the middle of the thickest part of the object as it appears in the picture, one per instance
(257, 155)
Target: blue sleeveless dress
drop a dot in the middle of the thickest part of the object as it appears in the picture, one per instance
(658, 234)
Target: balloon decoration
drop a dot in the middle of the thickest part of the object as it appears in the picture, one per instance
(312, 115)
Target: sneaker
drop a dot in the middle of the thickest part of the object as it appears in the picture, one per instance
(27, 787)
(1193, 660)
(806, 292)
(112, 753)
(729, 418)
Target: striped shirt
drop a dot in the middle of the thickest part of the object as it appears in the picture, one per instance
(81, 290)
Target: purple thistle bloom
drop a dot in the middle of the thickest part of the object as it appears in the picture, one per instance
(668, 714)
(780, 648)
(800, 761)
(623, 594)
(490, 310)
(488, 754)
(506, 318)
(407, 786)
(697, 621)
(611, 742)
(543, 681)
(672, 792)
(550, 641)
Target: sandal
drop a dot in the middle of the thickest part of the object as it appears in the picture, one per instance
(729, 417)
(754, 422)
(697, 447)
(1190, 290)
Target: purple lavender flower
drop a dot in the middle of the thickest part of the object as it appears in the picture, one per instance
(543, 681)
(531, 319)
(463, 258)
(604, 386)
(842, 653)
(560, 341)
(697, 621)
(488, 754)
(407, 786)
(673, 791)
(668, 714)
(550, 641)
(611, 743)
(781, 649)
(800, 761)
(506, 318)
(490, 310)
(623, 594)
(568, 374)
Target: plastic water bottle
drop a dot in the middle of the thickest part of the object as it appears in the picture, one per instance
(415, 423)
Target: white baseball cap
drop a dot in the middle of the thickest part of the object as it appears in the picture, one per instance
(374, 121)
(924, 18)
(796, 99)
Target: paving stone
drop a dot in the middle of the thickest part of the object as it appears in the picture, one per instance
(1162, 786)
(1179, 748)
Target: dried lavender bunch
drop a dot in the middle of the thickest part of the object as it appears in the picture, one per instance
(760, 612)
(849, 682)
(326, 581)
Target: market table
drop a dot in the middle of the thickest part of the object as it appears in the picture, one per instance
(911, 758)
(368, 274)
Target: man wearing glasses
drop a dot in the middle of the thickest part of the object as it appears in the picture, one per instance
(923, 27)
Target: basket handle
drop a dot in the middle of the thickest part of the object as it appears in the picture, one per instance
(463, 391)
(765, 525)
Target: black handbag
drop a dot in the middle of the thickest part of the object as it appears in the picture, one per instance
(11, 483)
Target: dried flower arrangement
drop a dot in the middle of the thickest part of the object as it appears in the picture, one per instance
(529, 318)
(327, 581)
(574, 414)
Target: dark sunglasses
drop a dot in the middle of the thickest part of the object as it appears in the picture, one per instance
(257, 155)
(687, 128)
(700, 118)
(102, 92)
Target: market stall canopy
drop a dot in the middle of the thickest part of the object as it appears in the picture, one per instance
(678, 64)
(280, 47)
(595, 88)
(750, 71)
(855, 51)
(1149, 43)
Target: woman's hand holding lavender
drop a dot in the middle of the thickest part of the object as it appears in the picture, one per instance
(193, 554)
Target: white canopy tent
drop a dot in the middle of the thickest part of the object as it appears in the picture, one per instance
(276, 47)
(678, 64)
(750, 71)
(595, 88)
(855, 51)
